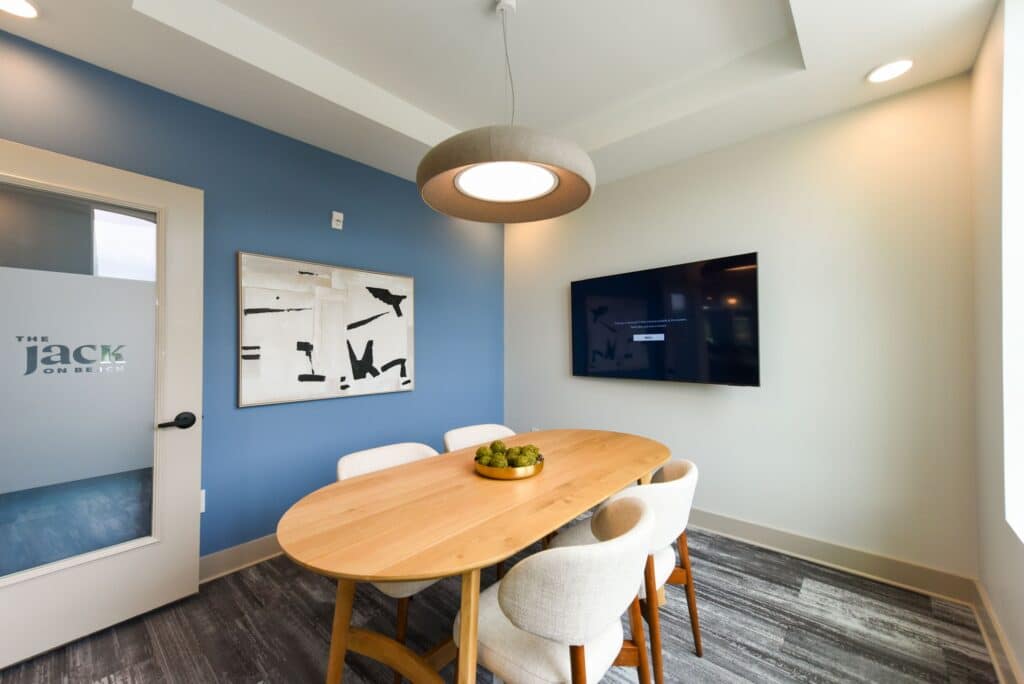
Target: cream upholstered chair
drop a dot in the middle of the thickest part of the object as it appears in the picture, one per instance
(372, 460)
(670, 496)
(556, 616)
(471, 435)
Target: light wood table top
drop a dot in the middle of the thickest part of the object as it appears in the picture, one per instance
(437, 517)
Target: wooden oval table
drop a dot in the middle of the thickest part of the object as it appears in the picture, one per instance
(438, 518)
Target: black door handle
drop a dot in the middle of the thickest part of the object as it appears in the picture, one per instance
(183, 420)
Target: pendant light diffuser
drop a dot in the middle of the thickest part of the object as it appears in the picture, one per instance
(505, 174)
(506, 181)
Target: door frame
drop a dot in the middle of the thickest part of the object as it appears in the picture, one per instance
(163, 566)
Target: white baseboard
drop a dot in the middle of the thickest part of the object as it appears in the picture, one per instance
(1008, 664)
(863, 563)
(873, 566)
(235, 558)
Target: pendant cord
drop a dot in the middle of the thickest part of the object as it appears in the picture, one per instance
(508, 65)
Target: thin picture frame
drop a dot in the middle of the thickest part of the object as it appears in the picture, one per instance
(240, 256)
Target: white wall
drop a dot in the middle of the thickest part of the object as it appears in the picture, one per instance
(1001, 551)
(1013, 255)
(862, 433)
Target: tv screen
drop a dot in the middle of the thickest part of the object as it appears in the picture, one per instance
(693, 322)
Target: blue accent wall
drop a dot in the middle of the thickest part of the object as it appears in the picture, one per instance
(271, 194)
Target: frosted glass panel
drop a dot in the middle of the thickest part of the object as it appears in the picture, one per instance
(77, 364)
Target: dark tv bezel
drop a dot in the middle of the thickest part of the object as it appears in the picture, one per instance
(616, 376)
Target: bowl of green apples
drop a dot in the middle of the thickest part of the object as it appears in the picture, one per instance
(500, 462)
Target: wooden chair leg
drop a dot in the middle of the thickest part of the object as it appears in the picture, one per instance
(402, 627)
(691, 593)
(578, 659)
(634, 649)
(653, 620)
(636, 629)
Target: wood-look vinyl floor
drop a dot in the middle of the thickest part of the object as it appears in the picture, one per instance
(765, 617)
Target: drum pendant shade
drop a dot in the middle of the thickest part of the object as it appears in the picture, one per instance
(567, 184)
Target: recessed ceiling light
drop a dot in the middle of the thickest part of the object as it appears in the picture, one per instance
(19, 8)
(889, 71)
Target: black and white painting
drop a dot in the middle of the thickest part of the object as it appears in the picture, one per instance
(313, 331)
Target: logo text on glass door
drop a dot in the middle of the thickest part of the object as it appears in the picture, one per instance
(49, 358)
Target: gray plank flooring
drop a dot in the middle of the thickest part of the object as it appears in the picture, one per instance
(765, 617)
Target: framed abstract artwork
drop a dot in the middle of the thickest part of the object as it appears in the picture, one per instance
(314, 331)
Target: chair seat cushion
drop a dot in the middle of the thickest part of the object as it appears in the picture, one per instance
(519, 657)
(400, 590)
(579, 534)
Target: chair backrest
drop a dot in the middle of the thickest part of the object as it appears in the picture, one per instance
(670, 496)
(471, 435)
(379, 458)
(571, 594)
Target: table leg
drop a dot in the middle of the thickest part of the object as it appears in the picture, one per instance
(646, 479)
(339, 631)
(468, 627)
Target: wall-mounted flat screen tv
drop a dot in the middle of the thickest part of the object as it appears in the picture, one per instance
(693, 322)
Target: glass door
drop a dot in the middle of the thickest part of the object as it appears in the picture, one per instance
(101, 288)
(78, 312)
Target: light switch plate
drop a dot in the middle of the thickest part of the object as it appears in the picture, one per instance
(337, 220)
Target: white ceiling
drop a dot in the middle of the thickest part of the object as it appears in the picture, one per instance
(639, 84)
(447, 57)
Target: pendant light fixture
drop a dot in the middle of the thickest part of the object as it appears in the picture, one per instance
(505, 174)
